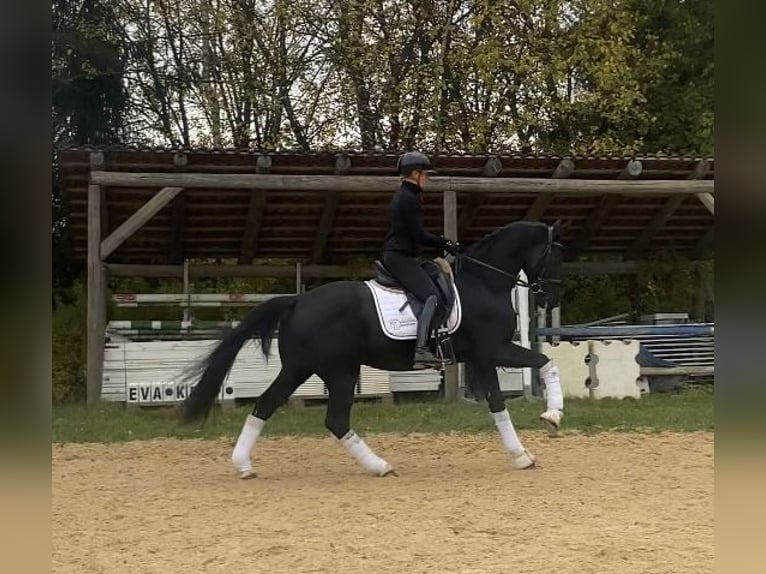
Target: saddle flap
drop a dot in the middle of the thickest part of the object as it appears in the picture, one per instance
(383, 275)
(440, 273)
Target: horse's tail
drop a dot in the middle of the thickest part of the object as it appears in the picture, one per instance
(260, 323)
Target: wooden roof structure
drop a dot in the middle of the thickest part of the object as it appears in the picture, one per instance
(325, 207)
(150, 211)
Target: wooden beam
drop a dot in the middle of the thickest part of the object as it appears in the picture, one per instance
(653, 228)
(708, 201)
(631, 170)
(704, 246)
(537, 209)
(563, 170)
(324, 271)
(492, 167)
(252, 226)
(451, 372)
(177, 223)
(263, 164)
(180, 160)
(361, 183)
(700, 170)
(342, 165)
(96, 310)
(139, 218)
(682, 370)
(592, 225)
(475, 201)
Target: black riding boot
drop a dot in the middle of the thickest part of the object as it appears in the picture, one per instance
(423, 355)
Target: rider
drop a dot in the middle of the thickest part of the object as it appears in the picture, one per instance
(400, 247)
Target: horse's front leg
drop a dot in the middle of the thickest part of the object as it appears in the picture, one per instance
(513, 355)
(520, 457)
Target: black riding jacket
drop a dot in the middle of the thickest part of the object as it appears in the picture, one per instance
(405, 231)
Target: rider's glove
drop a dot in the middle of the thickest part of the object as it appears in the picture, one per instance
(451, 247)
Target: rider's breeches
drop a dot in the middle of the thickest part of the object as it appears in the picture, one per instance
(409, 273)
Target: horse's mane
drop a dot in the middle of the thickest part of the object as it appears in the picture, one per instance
(499, 234)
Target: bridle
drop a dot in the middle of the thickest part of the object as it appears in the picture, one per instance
(536, 286)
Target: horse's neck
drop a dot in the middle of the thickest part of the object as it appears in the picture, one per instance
(470, 272)
(505, 252)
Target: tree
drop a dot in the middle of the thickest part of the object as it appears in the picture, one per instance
(89, 97)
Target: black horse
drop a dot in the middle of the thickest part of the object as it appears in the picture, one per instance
(332, 330)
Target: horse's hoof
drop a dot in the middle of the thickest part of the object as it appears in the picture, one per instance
(552, 420)
(247, 475)
(523, 460)
(388, 472)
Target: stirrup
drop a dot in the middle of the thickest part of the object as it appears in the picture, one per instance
(427, 360)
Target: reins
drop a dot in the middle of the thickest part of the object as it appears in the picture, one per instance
(535, 286)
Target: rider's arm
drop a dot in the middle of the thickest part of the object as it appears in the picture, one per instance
(413, 219)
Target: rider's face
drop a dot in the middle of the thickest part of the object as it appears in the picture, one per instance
(422, 179)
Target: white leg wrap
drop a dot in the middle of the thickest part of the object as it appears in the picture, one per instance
(507, 432)
(371, 462)
(550, 375)
(240, 458)
(520, 457)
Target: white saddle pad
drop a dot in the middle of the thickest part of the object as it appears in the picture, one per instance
(402, 325)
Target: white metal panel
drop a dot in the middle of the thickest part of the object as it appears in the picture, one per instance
(412, 381)
(165, 363)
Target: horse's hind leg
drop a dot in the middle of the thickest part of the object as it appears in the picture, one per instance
(340, 387)
(277, 393)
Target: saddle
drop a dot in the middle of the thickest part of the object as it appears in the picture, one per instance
(440, 272)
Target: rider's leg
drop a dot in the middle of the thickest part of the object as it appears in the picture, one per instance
(414, 280)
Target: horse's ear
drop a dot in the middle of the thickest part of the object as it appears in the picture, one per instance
(556, 228)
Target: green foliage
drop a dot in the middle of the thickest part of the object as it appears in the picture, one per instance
(664, 284)
(689, 411)
(585, 299)
(88, 63)
(69, 321)
(548, 75)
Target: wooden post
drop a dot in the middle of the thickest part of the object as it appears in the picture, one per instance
(555, 322)
(298, 277)
(187, 314)
(700, 299)
(96, 299)
(542, 317)
(452, 382)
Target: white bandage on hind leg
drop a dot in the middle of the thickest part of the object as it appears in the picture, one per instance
(508, 432)
(371, 462)
(550, 375)
(251, 430)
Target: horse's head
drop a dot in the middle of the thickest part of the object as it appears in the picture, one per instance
(543, 266)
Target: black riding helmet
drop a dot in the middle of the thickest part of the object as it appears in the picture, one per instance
(413, 160)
